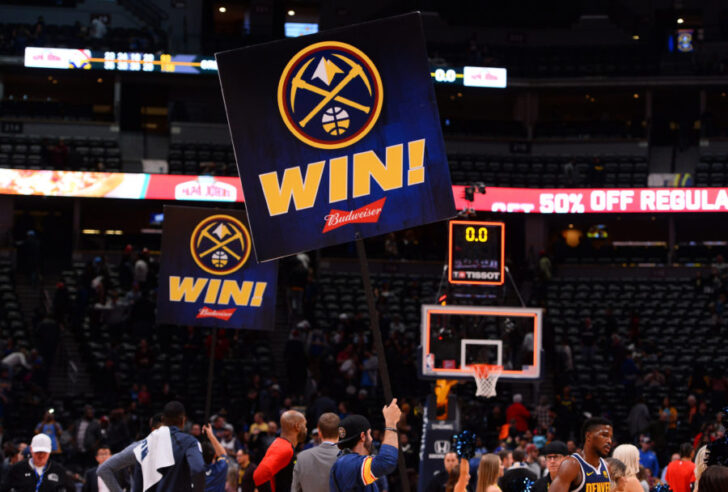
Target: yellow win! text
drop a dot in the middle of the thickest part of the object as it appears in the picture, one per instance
(216, 291)
(303, 190)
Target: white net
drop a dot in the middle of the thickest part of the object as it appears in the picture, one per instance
(486, 377)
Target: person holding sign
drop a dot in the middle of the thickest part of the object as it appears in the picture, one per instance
(356, 470)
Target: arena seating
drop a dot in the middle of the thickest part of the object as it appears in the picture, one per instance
(672, 316)
(555, 61)
(549, 171)
(712, 170)
(11, 320)
(185, 372)
(343, 293)
(83, 154)
(202, 158)
(18, 36)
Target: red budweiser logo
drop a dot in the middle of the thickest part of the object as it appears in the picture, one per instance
(223, 314)
(367, 214)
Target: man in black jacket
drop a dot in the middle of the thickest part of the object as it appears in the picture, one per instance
(38, 474)
(555, 452)
(91, 483)
(439, 480)
(514, 478)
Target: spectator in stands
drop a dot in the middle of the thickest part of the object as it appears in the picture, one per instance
(638, 420)
(90, 484)
(700, 461)
(259, 424)
(408, 451)
(698, 381)
(143, 361)
(555, 453)
(98, 28)
(617, 472)
(313, 466)
(630, 456)
(439, 479)
(532, 459)
(544, 266)
(517, 414)
(216, 466)
(276, 467)
(566, 416)
(654, 379)
(141, 269)
(218, 425)
(680, 474)
(229, 442)
(52, 429)
(242, 458)
(86, 434)
(714, 479)
(38, 474)
(542, 414)
(699, 418)
(669, 413)
(513, 477)
(490, 469)
(15, 360)
(718, 388)
(648, 459)
(59, 155)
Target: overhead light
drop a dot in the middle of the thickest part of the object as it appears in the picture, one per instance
(636, 96)
(222, 10)
(291, 13)
(636, 37)
(91, 231)
(680, 20)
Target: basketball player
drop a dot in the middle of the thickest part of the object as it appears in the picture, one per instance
(587, 472)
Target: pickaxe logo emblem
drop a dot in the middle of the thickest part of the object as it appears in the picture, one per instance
(220, 244)
(330, 95)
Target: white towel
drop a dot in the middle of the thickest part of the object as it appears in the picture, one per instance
(102, 485)
(153, 454)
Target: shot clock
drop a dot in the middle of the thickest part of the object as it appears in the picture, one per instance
(477, 252)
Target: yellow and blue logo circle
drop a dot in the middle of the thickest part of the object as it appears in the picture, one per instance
(220, 244)
(330, 95)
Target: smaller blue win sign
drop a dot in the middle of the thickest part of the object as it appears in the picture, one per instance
(208, 275)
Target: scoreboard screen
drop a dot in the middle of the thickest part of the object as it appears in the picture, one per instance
(477, 252)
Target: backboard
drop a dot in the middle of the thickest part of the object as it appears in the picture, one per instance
(455, 337)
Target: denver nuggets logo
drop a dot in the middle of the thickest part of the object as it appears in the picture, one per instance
(330, 95)
(220, 244)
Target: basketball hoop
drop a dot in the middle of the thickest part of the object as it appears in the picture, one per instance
(486, 376)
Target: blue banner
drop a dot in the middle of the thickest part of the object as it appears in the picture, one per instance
(336, 133)
(208, 274)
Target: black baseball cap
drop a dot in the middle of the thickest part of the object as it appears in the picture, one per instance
(555, 447)
(350, 430)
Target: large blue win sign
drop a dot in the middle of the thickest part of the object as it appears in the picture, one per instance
(336, 133)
